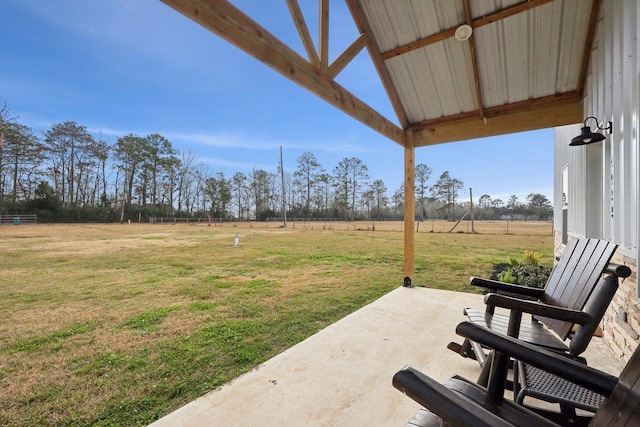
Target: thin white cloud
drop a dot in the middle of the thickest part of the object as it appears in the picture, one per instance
(263, 142)
(145, 27)
(233, 164)
(226, 139)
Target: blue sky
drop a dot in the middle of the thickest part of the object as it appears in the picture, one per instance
(138, 66)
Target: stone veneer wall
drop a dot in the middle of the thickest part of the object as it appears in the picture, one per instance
(621, 323)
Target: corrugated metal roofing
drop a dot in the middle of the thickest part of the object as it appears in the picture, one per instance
(524, 66)
(532, 54)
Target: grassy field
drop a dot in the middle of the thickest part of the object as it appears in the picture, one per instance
(121, 324)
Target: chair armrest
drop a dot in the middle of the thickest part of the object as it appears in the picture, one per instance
(496, 285)
(618, 270)
(447, 404)
(561, 366)
(539, 309)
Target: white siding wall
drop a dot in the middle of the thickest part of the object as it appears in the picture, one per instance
(603, 177)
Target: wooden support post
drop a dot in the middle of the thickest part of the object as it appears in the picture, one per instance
(409, 204)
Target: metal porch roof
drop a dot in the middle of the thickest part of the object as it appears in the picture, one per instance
(524, 67)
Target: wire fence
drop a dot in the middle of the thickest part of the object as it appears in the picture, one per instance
(18, 219)
(540, 228)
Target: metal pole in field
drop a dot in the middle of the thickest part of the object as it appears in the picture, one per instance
(284, 194)
(473, 230)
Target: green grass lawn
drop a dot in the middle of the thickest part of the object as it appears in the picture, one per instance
(121, 324)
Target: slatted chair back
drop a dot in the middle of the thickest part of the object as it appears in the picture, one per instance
(574, 278)
(622, 407)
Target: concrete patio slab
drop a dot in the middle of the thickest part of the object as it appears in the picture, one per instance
(342, 375)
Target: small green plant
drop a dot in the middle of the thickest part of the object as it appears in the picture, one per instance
(525, 272)
(507, 276)
(535, 276)
(532, 258)
(513, 261)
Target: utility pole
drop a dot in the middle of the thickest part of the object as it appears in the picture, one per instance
(473, 230)
(284, 193)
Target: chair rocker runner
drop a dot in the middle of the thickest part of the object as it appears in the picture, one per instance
(459, 402)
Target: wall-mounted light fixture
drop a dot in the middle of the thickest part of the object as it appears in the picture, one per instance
(588, 137)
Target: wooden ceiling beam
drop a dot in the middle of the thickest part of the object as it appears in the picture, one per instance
(547, 112)
(513, 108)
(303, 31)
(450, 32)
(588, 45)
(228, 22)
(374, 53)
(474, 61)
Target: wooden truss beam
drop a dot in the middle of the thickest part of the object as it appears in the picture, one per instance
(541, 113)
(303, 31)
(474, 60)
(378, 63)
(485, 20)
(323, 36)
(347, 56)
(586, 54)
(228, 22)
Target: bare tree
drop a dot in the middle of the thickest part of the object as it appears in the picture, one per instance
(380, 198)
(69, 145)
(422, 175)
(21, 157)
(218, 192)
(349, 177)
(513, 206)
(322, 194)
(186, 181)
(446, 189)
(5, 119)
(160, 154)
(484, 203)
(263, 190)
(130, 151)
(398, 200)
(306, 177)
(101, 151)
(239, 188)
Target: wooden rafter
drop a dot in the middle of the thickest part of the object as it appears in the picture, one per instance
(347, 56)
(303, 31)
(504, 13)
(228, 22)
(323, 38)
(474, 61)
(378, 63)
(502, 110)
(586, 54)
(550, 111)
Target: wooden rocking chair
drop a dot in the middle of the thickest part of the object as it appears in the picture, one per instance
(459, 402)
(570, 306)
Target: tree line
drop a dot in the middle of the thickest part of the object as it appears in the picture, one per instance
(67, 174)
